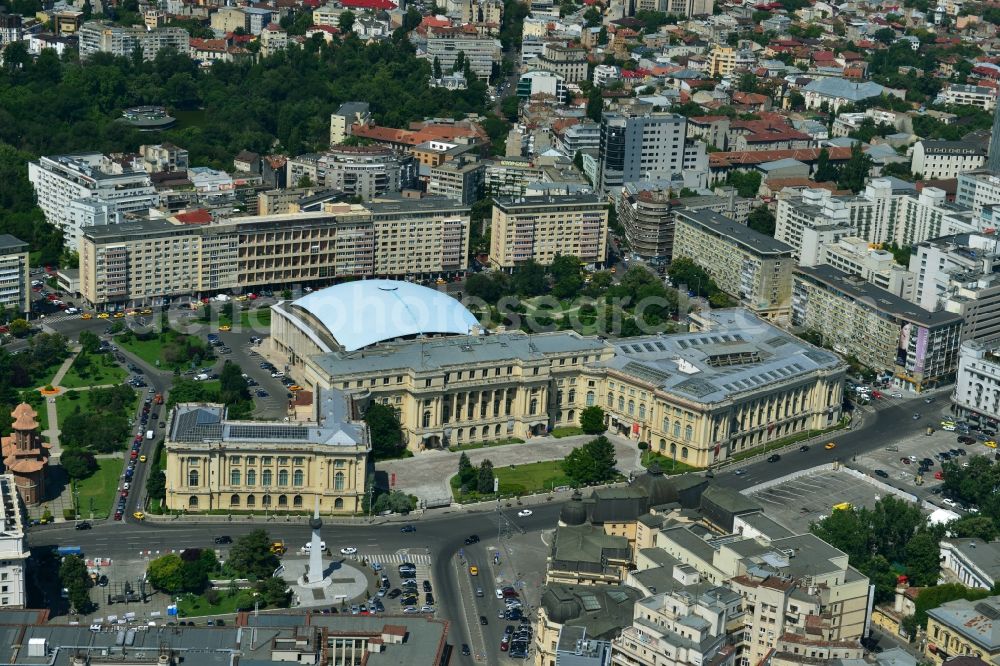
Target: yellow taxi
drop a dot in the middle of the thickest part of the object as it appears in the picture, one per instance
(139, 515)
(473, 571)
(242, 298)
(104, 315)
(614, 270)
(294, 387)
(146, 311)
(131, 313)
(225, 328)
(142, 458)
(441, 281)
(86, 315)
(990, 443)
(830, 446)
(119, 315)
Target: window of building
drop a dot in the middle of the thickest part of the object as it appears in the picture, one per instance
(338, 481)
(266, 460)
(251, 477)
(631, 407)
(426, 420)
(684, 453)
(297, 502)
(687, 433)
(283, 477)
(265, 478)
(193, 478)
(251, 460)
(235, 459)
(234, 501)
(193, 502)
(234, 477)
(621, 404)
(297, 477)
(590, 398)
(298, 461)
(611, 400)
(677, 428)
(338, 504)
(283, 460)
(642, 412)
(251, 501)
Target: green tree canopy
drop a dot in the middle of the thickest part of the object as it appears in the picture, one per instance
(592, 420)
(484, 483)
(594, 462)
(762, 220)
(74, 577)
(251, 556)
(384, 430)
(78, 464)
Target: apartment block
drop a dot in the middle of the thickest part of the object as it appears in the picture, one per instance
(149, 260)
(365, 172)
(541, 227)
(15, 283)
(750, 266)
(960, 274)
(460, 179)
(977, 386)
(62, 180)
(722, 61)
(510, 176)
(481, 52)
(961, 94)
(946, 159)
(97, 37)
(14, 550)
(916, 348)
(569, 62)
(346, 115)
(164, 158)
(978, 190)
(856, 256)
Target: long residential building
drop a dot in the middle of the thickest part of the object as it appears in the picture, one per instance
(540, 228)
(977, 386)
(916, 348)
(150, 260)
(88, 189)
(750, 266)
(481, 52)
(698, 397)
(97, 37)
(15, 287)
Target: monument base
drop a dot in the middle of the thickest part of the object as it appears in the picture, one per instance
(341, 584)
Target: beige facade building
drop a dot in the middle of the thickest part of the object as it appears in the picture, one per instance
(697, 397)
(542, 227)
(917, 348)
(963, 628)
(214, 463)
(15, 283)
(722, 61)
(752, 267)
(148, 260)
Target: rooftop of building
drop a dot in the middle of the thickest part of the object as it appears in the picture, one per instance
(10, 244)
(602, 610)
(984, 555)
(861, 291)
(978, 621)
(941, 147)
(850, 90)
(334, 425)
(586, 543)
(740, 234)
(513, 203)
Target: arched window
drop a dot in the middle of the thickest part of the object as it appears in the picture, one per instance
(496, 429)
(338, 504)
(193, 478)
(282, 500)
(631, 407)
(265, 478)
(251, 477)
(338, 481)
(687, 433)
(533, 407)
(677, 428)
(266, 501)
(642, 412)
(611, 400)
(590, 398)
(572, 396)
(251, 501)
(472, 432)
(283, 477)
(684, 453)
(427, 420)
(297, 477)
(234, 477)
(673, 450)
(666, 424)
(193, 502)
(234, 501)
(570, 417)
(297, 501)
(621, 404)
(461, 434)
(663, 444)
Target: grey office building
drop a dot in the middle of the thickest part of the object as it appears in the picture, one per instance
(634, 147)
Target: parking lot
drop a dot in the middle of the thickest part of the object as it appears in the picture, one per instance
(810, 498)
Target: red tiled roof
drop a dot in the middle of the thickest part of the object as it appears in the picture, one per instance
(199, 216)
(369, 4)
(752, 157)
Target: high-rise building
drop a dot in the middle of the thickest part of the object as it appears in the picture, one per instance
(61, 180)
(540, 228)
(97, 37)
(977, 386)
(993, 161)
(750, 266)
(15, 289)
(634, 147)
(364, 171)
(14, 551)
(480, 52)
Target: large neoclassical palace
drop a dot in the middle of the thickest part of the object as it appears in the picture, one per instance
(699, 397)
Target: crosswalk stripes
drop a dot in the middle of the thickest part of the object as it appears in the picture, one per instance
(396, 558)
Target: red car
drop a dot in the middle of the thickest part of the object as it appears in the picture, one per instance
(939, 475)
(504, 643)
(118, 515)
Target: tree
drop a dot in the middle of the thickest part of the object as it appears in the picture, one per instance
(233, 387)
(166, 573)
(77, 463)
(459, 65)
(274, 592)
(824, 170)
(484, 484)
(592, 420)
(565, 271)
(510, 107)
(490, 287)
(73, 576)
(466, 470)
(747, 183)
(796, 100)
(346, 21)
(251, 556)
(156, 485)
(595, 104)
(384, 430)
(437, 68)
(602, 36)
(19, 328)
(594, 462)
(981, 527)
(923, 565)
(90, 343)
(855, 172)
(529, 279)
(885, 35)
(684, 272)
(762, 220)
(397, 502)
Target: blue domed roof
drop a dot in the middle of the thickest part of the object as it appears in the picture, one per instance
(365, 312)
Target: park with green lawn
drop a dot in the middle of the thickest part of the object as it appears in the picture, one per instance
(169, 349)
(97, 492)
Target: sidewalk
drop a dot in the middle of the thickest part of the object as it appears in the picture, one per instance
(52, 434)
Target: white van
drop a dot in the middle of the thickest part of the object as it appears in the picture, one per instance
(309, 545)
(201, 377)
